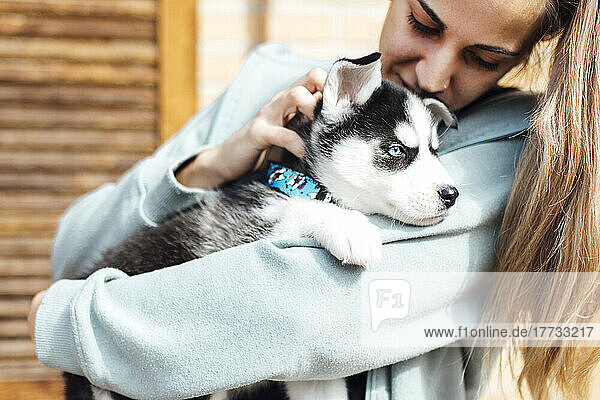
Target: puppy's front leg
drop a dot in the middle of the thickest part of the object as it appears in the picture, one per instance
(347, 234)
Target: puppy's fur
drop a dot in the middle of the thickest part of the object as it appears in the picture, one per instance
(371, 143)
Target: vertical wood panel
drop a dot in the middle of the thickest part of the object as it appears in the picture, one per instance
(78, 107)
(177, 44)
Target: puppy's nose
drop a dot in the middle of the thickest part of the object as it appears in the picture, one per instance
(448, 194)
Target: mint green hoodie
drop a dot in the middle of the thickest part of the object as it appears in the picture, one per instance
(284, 309)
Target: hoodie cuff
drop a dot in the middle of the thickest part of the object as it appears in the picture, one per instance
(168, 195)
(55, 344)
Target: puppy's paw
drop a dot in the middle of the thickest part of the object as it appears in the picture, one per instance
(351, 238)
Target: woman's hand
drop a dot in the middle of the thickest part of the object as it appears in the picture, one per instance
(35, 304)
(237, 156)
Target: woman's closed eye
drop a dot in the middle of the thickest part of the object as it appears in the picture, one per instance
(422, 28)
(429, 31)
(490, 66)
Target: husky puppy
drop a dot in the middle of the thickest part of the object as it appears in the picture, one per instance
(370, 149)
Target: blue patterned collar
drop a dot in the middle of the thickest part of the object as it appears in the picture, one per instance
(295, 184)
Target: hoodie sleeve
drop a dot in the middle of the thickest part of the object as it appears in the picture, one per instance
(149, 192)
(283, 310)
(145, 195)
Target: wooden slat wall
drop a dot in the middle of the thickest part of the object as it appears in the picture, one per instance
(78, 106)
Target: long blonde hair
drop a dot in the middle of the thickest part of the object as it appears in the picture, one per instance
(552, 219)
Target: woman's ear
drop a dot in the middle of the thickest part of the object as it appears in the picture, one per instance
(350, 82)
(441, 112)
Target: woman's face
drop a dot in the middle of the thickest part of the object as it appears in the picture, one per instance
(454, 50)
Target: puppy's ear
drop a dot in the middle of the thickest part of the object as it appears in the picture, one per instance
(350, 82)
(441, 112)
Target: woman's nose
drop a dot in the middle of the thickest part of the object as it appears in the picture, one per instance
(435, 72)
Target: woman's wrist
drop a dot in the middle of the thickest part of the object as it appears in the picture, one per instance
(35, 304)
(203, 172)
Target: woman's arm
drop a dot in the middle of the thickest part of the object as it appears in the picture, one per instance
(157, 187)
(142, 197)
(282, 310)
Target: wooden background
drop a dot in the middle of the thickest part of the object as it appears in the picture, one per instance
(78, 106)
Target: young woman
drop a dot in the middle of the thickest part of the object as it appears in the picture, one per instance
(288, 312)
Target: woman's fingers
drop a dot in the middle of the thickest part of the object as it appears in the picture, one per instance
(298, 99)
(290, 101)
(264, 134)
(301, 97)
(286, 138)
(313, 80)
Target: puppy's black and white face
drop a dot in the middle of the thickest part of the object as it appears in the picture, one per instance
(375, 146)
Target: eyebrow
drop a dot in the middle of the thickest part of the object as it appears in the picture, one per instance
(434, 17)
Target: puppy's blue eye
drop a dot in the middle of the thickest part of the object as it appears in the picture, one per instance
(396, 151)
